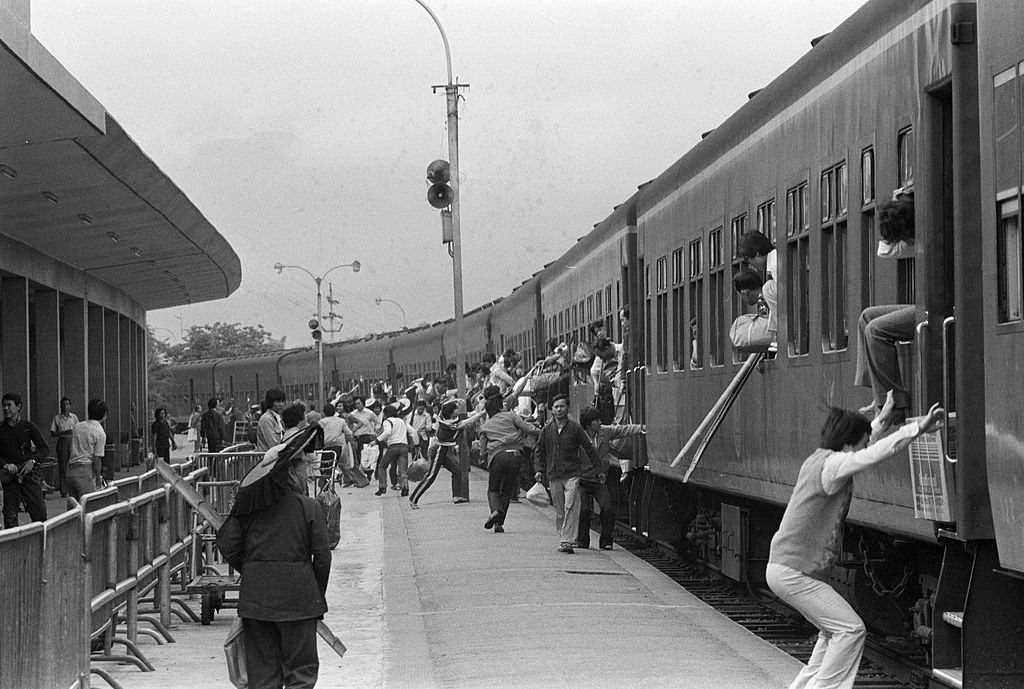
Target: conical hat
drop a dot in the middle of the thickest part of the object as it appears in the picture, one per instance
(267, 481)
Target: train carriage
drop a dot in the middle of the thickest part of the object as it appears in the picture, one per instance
(416, 353)
(515, 324)
(246, 379)
(357, 362)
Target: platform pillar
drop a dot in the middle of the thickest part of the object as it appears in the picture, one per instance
(46, 362)
(95, 359)
(112, 380)
(73, 354)
(14, 361)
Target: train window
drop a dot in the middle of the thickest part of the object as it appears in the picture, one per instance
(738, 226)
(590, 308)
(661, 313)
(867, 176)
(826, 196)
(679, 328)
(834, 332)
(608, 298)
(696, 304)
(796, 210)
(905, 157)
(1006, 131)
(842, 190)
(765, 221)
(647, 321)
(717, 279)
(1009, 262)
(797, 271)
(598, 304)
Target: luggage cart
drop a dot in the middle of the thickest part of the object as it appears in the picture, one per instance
(207, 578)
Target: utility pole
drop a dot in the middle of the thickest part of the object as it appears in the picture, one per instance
(331, 303)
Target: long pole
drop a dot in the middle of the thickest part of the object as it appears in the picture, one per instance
(319, 348)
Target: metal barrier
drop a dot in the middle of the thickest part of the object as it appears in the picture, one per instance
(57, 609)
(227, 466)
(44, 637)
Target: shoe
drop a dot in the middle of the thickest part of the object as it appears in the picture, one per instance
(381, 491)
(515, 499)
(346, 484)
(414, 505)
(491, 519)
(394, 487)
(606, 546)
(498, 528)
(567, 549)
(405, 492)
(459, 501)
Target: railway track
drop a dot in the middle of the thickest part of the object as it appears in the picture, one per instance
(882, 666)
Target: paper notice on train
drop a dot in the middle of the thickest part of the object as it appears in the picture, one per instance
(928, 477)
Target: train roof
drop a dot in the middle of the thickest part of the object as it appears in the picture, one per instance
(864, 27)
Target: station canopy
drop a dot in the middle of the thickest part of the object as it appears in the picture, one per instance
(75, 187)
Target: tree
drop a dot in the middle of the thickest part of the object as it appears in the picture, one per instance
(222, 340)
(161, 382)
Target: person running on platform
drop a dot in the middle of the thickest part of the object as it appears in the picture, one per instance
(448, 432)
(502, 439)
(559, 463)
(21, 448)
(810, 536)
(397, 436)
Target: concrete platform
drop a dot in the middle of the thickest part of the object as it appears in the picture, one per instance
(428, 598)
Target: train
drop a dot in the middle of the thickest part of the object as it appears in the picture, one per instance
(918, 94)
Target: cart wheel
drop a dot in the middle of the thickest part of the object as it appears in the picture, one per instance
(206, 613)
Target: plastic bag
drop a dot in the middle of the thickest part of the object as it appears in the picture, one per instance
(368, 458)
(418, 468)
(538, 495)
(234, 651)
(330, 507)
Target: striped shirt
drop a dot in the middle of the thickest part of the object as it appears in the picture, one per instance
(88, 440)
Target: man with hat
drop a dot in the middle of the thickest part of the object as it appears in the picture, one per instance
(276, 538)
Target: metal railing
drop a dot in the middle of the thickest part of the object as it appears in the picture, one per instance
(131, 537)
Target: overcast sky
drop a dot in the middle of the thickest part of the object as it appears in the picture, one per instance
(302, 130)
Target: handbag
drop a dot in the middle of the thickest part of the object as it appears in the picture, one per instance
(750, 334)
(538, 495)
(548, 385)
(418, 468)
(234, 652)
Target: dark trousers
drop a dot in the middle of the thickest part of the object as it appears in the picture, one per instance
(445, 457)
(591, 490)
(214, 445)
(502, 482)
(29, 491)
(63, 455)
(349, 474)
(361, 442)
(280, 654)
(163, 451)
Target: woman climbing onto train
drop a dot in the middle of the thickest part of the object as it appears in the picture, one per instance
(810, 537)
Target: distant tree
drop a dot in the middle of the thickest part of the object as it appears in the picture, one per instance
(161, 381)
(220, 340)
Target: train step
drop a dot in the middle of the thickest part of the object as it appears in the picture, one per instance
(955, 619)
(953, 677)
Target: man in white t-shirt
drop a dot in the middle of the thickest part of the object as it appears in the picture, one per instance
(88, 443)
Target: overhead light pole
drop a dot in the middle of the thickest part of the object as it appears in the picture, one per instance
(405, 320)
(317, 327)
(451, 90)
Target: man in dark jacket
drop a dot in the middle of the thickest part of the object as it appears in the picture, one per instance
(21, 448)
(282, 554)
(558, 462)
(211, 427)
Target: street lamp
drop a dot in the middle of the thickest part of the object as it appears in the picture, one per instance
(451, 90)
(405, 320)
(355, 266)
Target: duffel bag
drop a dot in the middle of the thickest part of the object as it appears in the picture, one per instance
(750, 334)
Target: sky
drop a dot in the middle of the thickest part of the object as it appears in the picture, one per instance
(302, 130)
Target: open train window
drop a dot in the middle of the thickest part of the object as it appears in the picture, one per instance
(679, 326)
(696, 304)
(834, 327)
(661, 307)
(717, 329)
(798, 268)
(737, 228)
(1007, 122)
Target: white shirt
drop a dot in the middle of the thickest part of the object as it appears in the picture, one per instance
(394, 431)
(336, 431)
(900, 249)
(88, 440)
